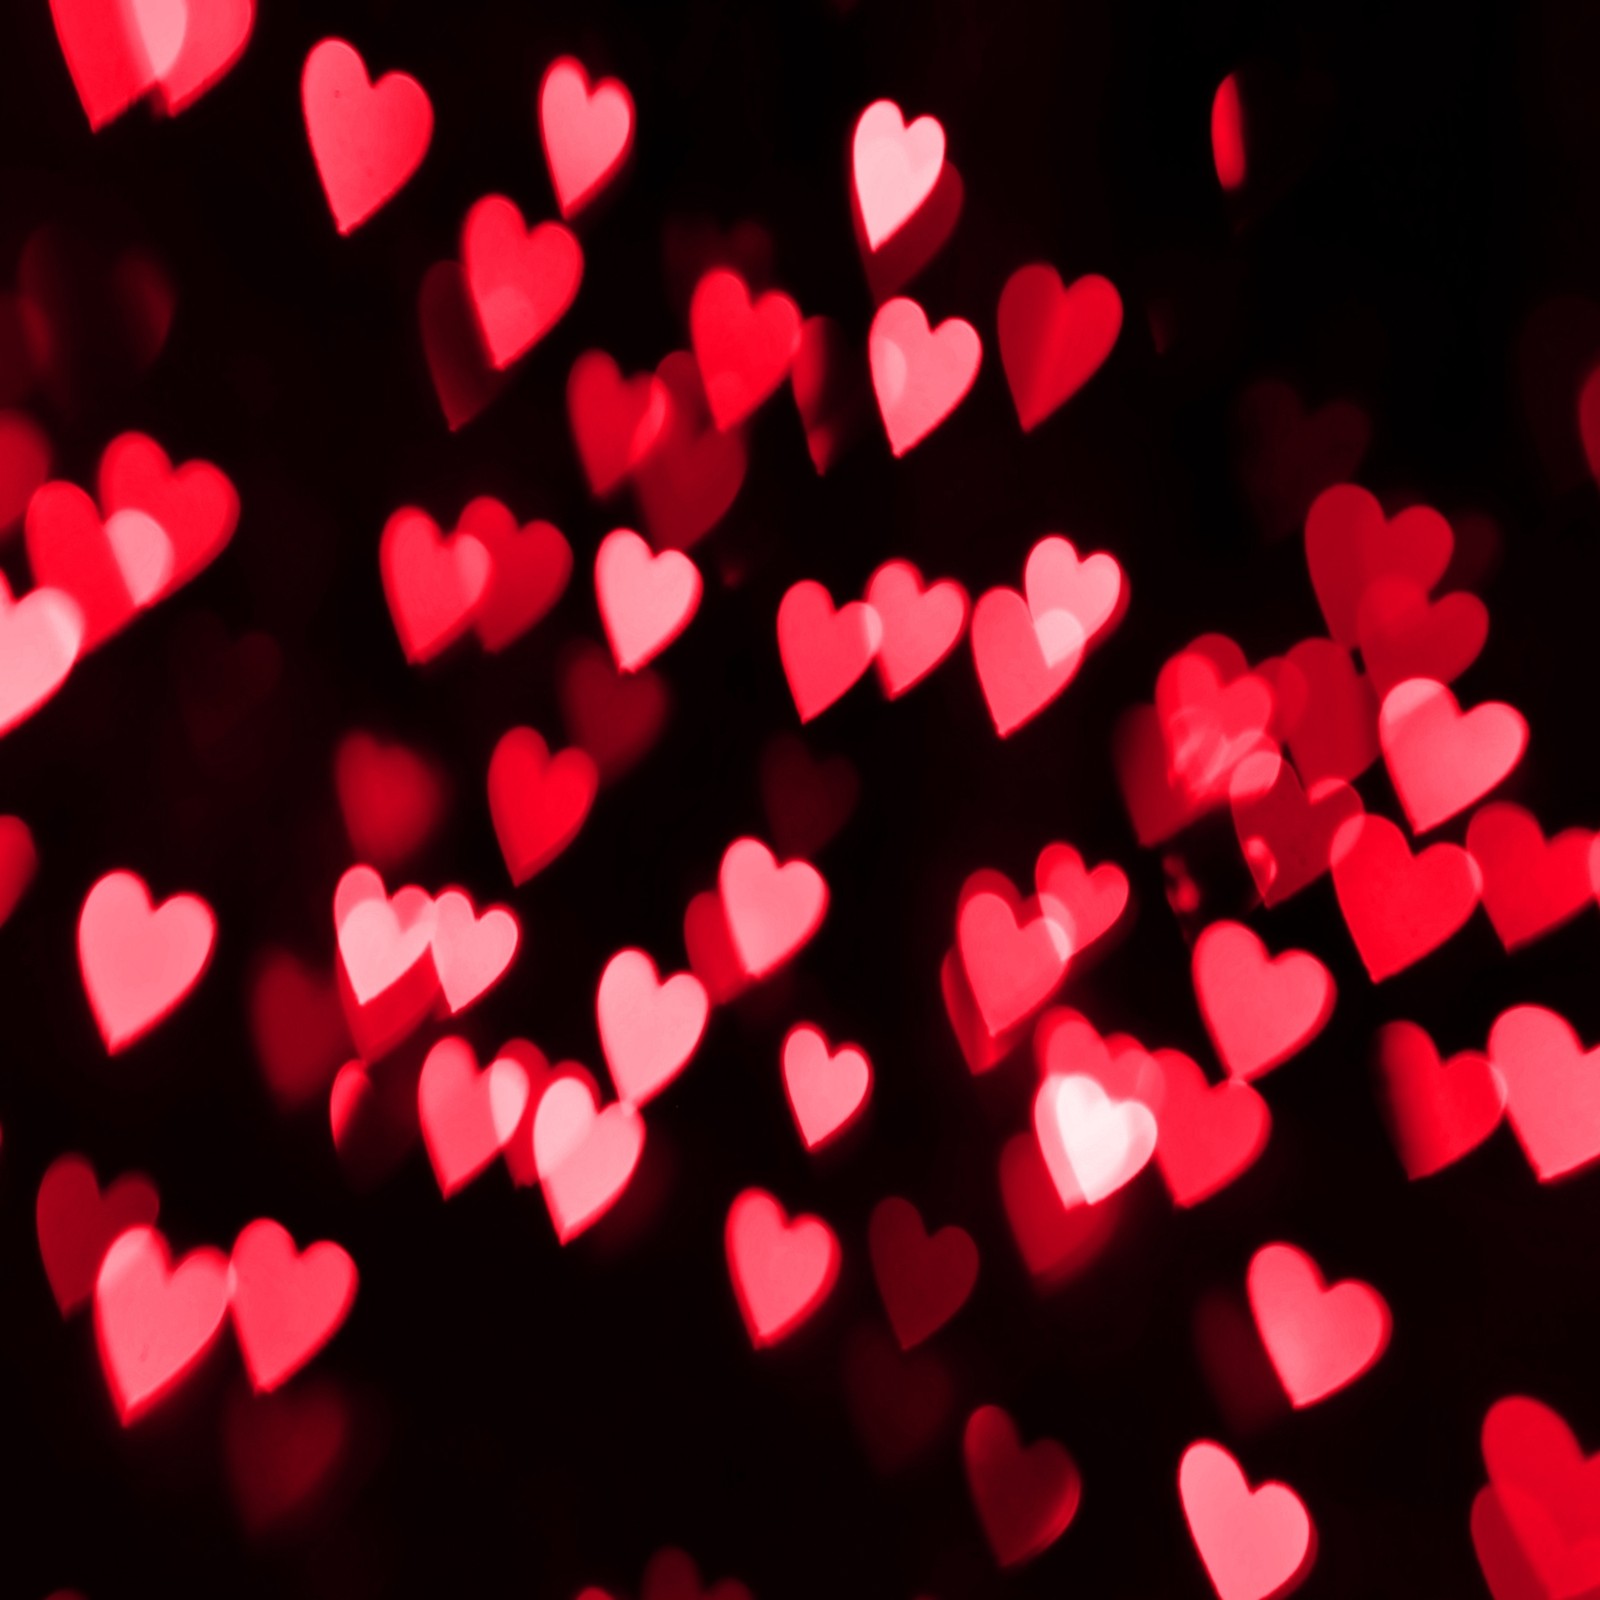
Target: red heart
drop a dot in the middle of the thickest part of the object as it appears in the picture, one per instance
(1530, 885)
(284, 1455)
(467, 1116)
(107, 58)
(1257, 1544)
(1319, 1339)
(744, 349)
(827, 1089)
(433, 583)
(110, 569)
(1207, 1133)
(1404, 635)
(1026, 1497)
(687, 482)
(392, 799)
(584, 1157)
(298, 1026)
(920, 375)
(462, 377)
(1552, 1089)
(18, 860)
(895, 168)
(645, 600)
(1437, 1111)
(383, 939)
(1090, 904)
(40, 637)
(586, 132)
(649, 1029)
(366, 138)
(1014, 955)
(824, 652)
(1214, 712)
(139, 961)
(1285, 835)
(1056, 1243)
(807, 801)
(1259, 1010)
(215, 33)
(153, 1322)
(538, 801)
(76, 1224)
(521, 280)
(1440, 758)
(1327, 712)
(1349, 543)
(470, 952)
(1054, 339)
(781, 1270)
(615, 717)
(194, 505)
(923, 1279)
(286, 1303)
(772, 910)
(1399, 907)
(919, 626)
(616, 421)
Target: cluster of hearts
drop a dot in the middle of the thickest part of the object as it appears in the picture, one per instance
(1280, 744)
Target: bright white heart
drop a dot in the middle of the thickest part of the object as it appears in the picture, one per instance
(1106, 1142)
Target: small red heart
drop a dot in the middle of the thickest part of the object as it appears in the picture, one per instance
(77, 1224)
(521, 280)
(392, 798)
(366, 138)
(1530, 885)
(772, 910)
(1026, 1496)
(744, 348)
(1087, 904)
(139, 961)
(1441, 759)
(827, 1089)
(649, 1029)
(467, 1116)
(433, 583)
(693, 473)
(1320, 1339)
(1404, 635)
(298, 1026)
(1259, 1010)
(1437, 1111)
(284, 1455)
(645, 600)
(895, 168)
(1327, 712)
(1397, 906)
(538, 801)
(824, 652)
(153, 1321)
(1014, 955)
(919, 374)
(286, 1303)
(616, 717)
(923, 1279)
(781, 1270)
(1054, 339)
(710, 948)
(1257, 1544)
(1208, 1134)
(195, 505)
(616, 421)
(1552, 1089)
(586, 132)
(919, 626)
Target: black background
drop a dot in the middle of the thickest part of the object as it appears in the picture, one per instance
(538, 1418)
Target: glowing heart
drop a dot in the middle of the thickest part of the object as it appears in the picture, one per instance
(40, 637)
(1053, 339)
(367, 138)
(772, 910)
(77, 1223)
(1437, 1111)
(154, 1322)
(1026, 1496)
(1531, 885)
(1441, 758)
(649, 1029)
(1013, 962)
(1086, 904)
(824, 652)
(923, 1279)
(585, 1158)
(918, 626)
(286, 1303)
(381, 938)
(195, 505)
(744, 348)
(138, 960)
(433, 583)
(586, 132)
(616, 421)
(538, 801)
(919, 374)
(105, 55)
(1208, 1134)
(392, 798)
(781, 1270)
(214, 35)
(1552, 1089)
(521, 280)
(467, 1116)
(1285, 833)
(1259, 1010)
(1092, 1144)
(1320, 1339)
(470, 952)
(827, 1089)
(1256, 1544)
(896, 168)
(645, 600)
